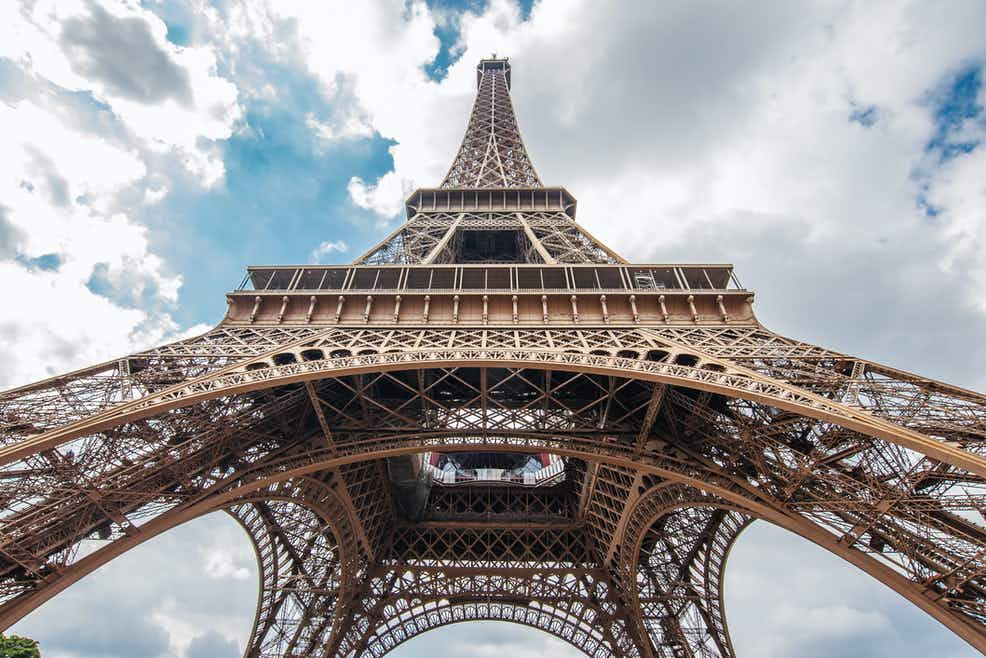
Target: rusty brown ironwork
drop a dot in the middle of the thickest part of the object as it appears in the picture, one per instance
(491, 415)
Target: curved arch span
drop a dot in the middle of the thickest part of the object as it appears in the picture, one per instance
(673, 567)
(308, 564)
(466, 622)
(556, 602)
(732, 486)
(801, 527)
(725, 379)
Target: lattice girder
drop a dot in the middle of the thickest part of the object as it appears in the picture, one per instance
(309, 562)
(656, 357)
(673, 565)
(38, 407)
(735, 445)
(492, 153)
(542, 237)
(680, 582)
(492, 504)
(573, 605)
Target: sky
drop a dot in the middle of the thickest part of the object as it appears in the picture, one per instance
(833, 151)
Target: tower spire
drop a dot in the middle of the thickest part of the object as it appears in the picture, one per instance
(492, 154)
(492, 206)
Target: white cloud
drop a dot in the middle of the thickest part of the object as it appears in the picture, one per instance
(220, 564)
(368, 58)
(350, 128)
(77, 166)
(62, 325)
(787, 597)
(152, 602)
(58, 191)
(169, 96)
(155, 195)
(959, 193)
(52, 163)
(832, 623)
(385, 197)
(327, 248)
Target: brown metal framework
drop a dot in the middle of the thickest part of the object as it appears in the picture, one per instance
(492, 323)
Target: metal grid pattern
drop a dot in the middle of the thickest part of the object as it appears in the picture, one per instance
(435, 238)
(492, 154)
(674, 438)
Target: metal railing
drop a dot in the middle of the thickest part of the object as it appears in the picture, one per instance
(553, 473)
(516, 278)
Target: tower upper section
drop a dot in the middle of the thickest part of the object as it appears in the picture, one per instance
(492, 207)
(492, 154)
(491, 246)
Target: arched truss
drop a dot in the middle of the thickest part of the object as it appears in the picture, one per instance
(880, 467)
(679, 585)
(309, 563)
(672, 566)
(572, 603)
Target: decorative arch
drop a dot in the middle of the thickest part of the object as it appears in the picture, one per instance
(679, 368)
(673, 565)
(732, 434)
(574, 605)
(309, 565)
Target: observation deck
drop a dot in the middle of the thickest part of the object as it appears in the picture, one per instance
(480, 294)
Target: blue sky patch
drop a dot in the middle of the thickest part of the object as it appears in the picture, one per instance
(45, 262)
(178, 16)
(448, 32)
(864, 116)
(177, 34)
(285, 192)
(954, 104)
(447, 29)
(448, 35)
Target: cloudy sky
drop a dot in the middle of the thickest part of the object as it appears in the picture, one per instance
(150, 150)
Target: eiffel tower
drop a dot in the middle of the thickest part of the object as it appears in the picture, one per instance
(491, 415)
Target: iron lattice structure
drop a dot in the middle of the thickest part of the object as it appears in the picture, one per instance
(336, 413)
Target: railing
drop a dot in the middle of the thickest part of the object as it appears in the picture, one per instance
(556, 199)
(516, 278)
(551, 474)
